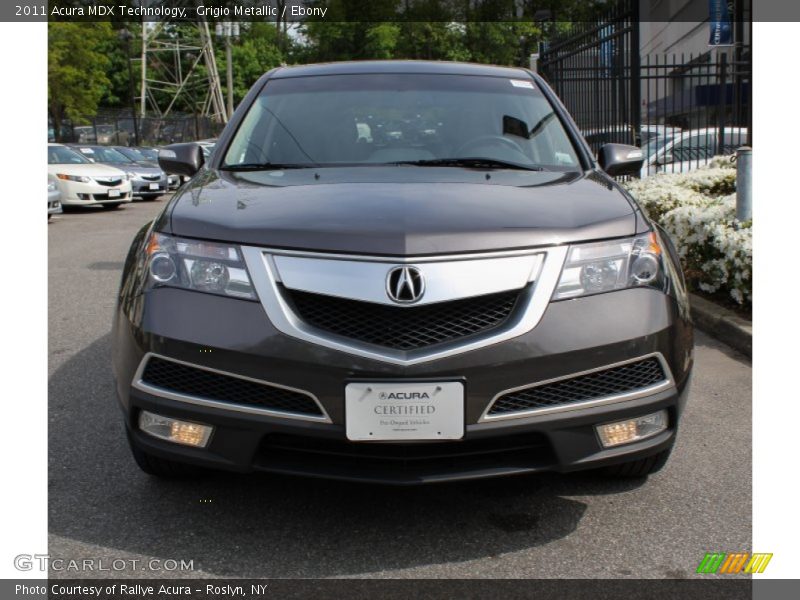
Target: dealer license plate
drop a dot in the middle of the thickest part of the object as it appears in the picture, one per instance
(153, 186)
(404, 411)
(113, 193)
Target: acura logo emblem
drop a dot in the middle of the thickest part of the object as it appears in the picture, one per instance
(405, 284)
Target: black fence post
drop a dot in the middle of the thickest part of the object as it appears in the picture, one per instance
(636, 77)
(723, 99)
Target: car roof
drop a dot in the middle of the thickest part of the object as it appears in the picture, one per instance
(398, 67)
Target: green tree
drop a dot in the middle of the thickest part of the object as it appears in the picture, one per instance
(381, 40)
(118, 92)
(77, 77)
(256, 52)
(487, 31)
(500, 42)
(433, 40)
(352, 30)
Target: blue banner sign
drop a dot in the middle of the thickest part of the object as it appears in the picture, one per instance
(720, 22)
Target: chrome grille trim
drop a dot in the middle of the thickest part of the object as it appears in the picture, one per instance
(442, 281)
(534, 299)
(139, 384)
(109, 181)
(666, 384)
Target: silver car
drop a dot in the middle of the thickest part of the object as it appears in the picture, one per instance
(148, 182)
(53, 197)
(148, 157)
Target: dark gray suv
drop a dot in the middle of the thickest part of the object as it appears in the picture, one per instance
(401, 272)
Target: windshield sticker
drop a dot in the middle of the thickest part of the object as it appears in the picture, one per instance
(521, 83)
(87, 150)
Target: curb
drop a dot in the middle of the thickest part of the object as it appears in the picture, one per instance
(723, 324)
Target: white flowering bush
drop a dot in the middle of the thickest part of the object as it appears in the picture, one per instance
(698, 210)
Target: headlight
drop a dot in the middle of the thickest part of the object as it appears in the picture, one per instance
(78, 178)
(197, 265)
(613, 265)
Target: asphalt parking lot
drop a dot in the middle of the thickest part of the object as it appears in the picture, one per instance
(102, 507)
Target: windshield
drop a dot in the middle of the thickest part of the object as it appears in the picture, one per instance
(372, 119)
(133, 153)
(149, 153)
(103, 154)
(61, 155)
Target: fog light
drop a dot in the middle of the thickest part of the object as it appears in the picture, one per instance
(173, 430)
(632, 430)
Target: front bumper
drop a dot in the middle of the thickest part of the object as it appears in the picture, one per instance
(74, 193)
(235, 336)
(54, 203)
(143, 188)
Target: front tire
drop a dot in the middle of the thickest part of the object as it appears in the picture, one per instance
(641, 467)
(161, 467)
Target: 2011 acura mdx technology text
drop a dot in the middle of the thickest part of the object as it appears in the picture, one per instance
(402, 272)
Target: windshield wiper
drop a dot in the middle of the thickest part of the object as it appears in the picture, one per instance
(264, 166)
(475, 163)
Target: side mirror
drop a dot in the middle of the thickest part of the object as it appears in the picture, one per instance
(620, 159)
(181, 159)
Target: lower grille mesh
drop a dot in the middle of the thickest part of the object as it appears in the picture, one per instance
(401, 463)
(404, 328)
(191, 381)
(616, 380)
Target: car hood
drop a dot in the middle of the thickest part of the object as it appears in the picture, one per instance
(90, 169)
(136, 168)
(401, 211)
(148, 163)
(143, 170)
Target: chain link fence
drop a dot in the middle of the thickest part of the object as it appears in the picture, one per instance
(120, 129)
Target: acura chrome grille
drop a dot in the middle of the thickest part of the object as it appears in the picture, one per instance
(447, 305)
(109, 181)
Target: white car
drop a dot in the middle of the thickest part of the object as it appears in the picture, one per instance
(623, 134)
(85, 183)
(682, 151)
